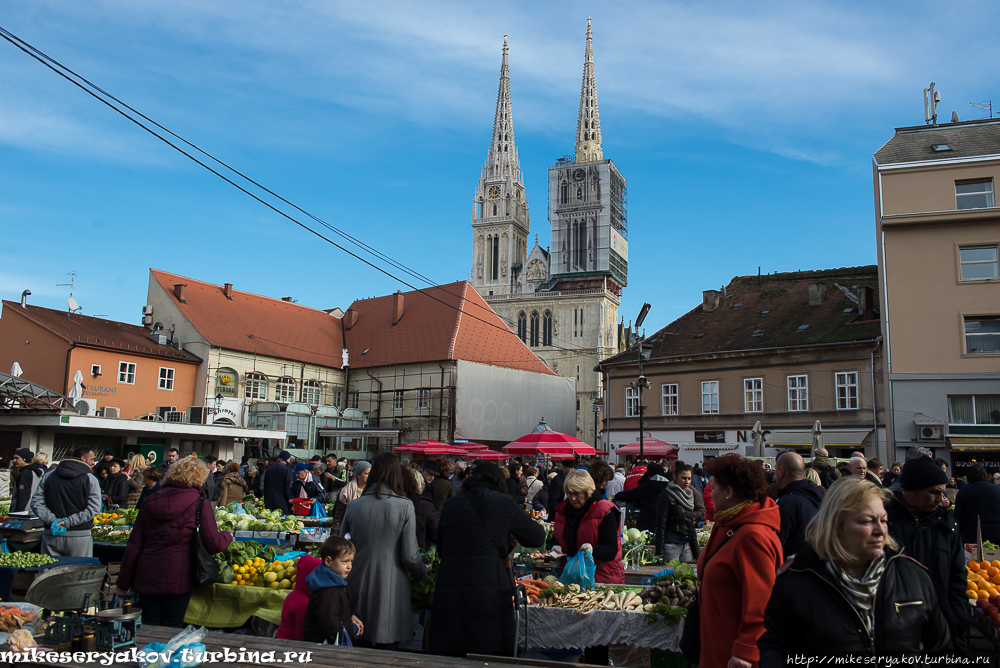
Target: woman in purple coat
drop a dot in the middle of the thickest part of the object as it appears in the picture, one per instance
(157, 561)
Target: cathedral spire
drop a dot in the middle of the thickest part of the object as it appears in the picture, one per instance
(588, 125)
(501, 161)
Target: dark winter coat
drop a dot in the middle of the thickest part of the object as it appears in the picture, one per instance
(676, 524)
(798, 503)
(28, 478)
(645, 497)
(231, 488)
(872, 478)
(427, 518)
(441, 490)
(70, 493)
(136, 483)
(979, 500)
(253, 484)
(313, 490)
(541, 500)
(115, 486)
(515, 490)
(828, 473)
(157, 560)
(147, 491)
(555, 493)
(809, 614)
(935, 542)
(329, 611)
(277, 478)
(473, 609)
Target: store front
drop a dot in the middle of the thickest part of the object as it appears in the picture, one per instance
(968, 451)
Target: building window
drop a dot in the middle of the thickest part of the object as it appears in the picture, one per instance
(522, 326)
(753, 395)
(311, 393)
(798, 393)
(534, 329)
(126, 373)
(847, 390)
(669, 406)
(710, 397)
(974, 193)
(397, 401)
(354, 400)
(978, 262)
(496, 256)
(337, 397)
(256, 386)
(982, 335)
(423, 399)
(284, 390)
(166, 379)
(974, 409)
(547, 329)
(631, 402)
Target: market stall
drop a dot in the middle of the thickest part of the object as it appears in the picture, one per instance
(24, 567)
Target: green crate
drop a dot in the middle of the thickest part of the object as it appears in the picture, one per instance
(661, 658)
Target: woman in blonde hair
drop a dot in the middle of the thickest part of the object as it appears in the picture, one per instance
(135, 479)
(586, 521)
(157, 561)
(852, 591)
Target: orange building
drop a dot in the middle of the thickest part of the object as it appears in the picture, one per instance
(123, 367)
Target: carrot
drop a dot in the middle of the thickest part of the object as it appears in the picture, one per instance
(533, 600)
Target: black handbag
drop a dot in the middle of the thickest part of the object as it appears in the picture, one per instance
(204, 566)
(690, 643)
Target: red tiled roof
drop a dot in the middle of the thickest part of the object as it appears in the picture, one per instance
(100, 333)
(262, 325)
(771, 311)
(447, 322)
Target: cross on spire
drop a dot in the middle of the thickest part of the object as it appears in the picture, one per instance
(588, 124)
(501, 160)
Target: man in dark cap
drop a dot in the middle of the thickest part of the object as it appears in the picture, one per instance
(441, 488)
(275, 482)
(556, 494)
(28, 477)
(929, 534)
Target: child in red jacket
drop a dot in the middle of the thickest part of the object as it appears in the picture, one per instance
(293, 612)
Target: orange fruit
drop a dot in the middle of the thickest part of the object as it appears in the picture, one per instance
(972, 593)
(982, 595)
(972, 586)
(990, 571)
(996, 579)
(995, 562)
(974, 565)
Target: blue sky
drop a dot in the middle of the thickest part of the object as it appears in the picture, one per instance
(745, 131)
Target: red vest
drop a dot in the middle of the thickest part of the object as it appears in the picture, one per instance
(608, 572)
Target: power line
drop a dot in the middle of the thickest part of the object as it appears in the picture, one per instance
(90, 89)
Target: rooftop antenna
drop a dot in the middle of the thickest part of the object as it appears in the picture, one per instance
(985, 106)
(931, 99)
(72, 280)
(73, 306)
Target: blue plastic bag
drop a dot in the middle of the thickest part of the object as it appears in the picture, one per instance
(318, 511)
(580, 569)
(3, 546)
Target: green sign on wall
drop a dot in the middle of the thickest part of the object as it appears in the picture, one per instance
(227, 382)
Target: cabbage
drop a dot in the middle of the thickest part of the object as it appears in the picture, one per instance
(632, 535)
(243, 525)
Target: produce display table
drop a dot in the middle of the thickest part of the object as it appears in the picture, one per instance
(228, 606)
(562, 628)
(109, 553)
(27, 575)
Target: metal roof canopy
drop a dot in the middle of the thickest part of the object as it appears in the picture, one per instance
(19, 394)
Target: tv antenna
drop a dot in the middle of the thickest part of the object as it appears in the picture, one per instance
(72, 281)
(985, 106)
(931, 98)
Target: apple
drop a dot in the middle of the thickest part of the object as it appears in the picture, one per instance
(982, 603)
(994, 600)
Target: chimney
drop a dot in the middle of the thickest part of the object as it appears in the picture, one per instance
(24, 298)
(287, 299)
(817, 293)
(866, 303)
(180, 291)
(709, 300)
(351, 318)
(227, 290)
(158, 336)
(397, 307)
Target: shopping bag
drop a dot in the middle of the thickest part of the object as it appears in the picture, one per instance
(238, 509)
(318, 512)
(3, 546)
(580, 569)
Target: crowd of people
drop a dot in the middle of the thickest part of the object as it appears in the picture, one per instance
(872, 554)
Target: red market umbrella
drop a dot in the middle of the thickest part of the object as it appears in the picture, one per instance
(651, 449)
(548, 443)
(430, 448)
(487, 455)
(472, 447)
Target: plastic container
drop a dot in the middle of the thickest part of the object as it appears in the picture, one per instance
(302, 506)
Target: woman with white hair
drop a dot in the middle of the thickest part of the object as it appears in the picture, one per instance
(585, 521)
(851, 592)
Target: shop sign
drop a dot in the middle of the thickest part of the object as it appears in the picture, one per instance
(227, 382)
(710, 437)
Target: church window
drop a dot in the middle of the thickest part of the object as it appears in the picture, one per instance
(496, 257)
(494, 209)
(579, 193)
(565, 194)
(534, 329)
(522, 326)
(480, 207)
(583, 244)
(547, 329)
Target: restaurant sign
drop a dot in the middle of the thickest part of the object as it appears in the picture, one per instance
(226, 382)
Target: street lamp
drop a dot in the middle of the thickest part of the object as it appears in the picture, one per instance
(641, 383)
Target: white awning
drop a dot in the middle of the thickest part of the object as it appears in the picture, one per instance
(832, 438)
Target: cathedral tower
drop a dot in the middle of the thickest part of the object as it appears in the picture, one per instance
(500, 209)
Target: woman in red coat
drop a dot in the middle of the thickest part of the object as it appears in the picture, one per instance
(157, 561)
(293, 610)
(737, 568)
(585, 521)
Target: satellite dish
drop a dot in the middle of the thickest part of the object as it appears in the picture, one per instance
(954, 117)
(73, 306)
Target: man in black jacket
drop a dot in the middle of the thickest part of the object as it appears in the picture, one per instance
(441, 488)
(275, 481)
(798, 502)
(928, 533)
(556, 493)
(69, 497)
(28, 478)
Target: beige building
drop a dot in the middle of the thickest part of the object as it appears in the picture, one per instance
(783, 349)
(938, 232)
(561, 300)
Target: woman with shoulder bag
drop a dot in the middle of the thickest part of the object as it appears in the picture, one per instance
(158, 562)
(736, 569)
